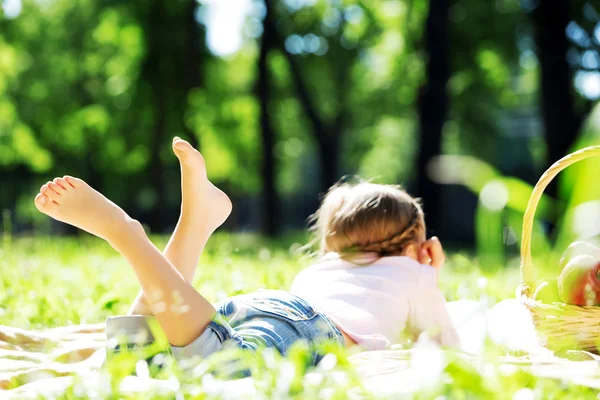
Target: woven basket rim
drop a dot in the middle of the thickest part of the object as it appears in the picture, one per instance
(526, 289)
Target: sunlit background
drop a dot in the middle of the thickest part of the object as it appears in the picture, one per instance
(465, 103)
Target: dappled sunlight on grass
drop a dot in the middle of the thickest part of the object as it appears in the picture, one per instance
(49, 281)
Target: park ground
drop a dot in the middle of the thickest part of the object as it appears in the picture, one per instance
(51, 281)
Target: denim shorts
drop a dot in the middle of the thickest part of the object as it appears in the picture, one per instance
(267, 318)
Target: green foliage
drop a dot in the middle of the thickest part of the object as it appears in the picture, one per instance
(53, 282)
(503, 201)
(97, 89)
(576, 185)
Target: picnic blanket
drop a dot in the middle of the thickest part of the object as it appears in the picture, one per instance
(47, 363)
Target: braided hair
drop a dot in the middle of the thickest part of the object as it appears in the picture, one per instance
(398, 242)
(368, 218)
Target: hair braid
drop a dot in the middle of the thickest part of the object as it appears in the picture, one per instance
(381, 220)
(397, 243)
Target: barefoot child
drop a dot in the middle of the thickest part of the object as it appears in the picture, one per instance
(374, 283)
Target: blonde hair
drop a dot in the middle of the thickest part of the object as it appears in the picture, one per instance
(368, 218)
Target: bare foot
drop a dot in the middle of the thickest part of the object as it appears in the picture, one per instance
(72, 201)
(203, 204)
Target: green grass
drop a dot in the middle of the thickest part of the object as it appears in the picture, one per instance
(49, 281)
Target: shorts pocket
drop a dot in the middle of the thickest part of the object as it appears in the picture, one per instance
(281, 304)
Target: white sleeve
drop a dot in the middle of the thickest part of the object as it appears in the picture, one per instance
(298, 283)
(429, 313)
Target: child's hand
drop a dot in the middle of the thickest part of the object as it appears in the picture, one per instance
(432, 253)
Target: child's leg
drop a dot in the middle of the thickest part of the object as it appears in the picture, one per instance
(203, 209)
(181, 311)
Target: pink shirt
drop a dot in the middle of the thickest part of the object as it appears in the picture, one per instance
(375, 303)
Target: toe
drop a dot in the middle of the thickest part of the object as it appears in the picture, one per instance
(182, 145)
(188, 155)
(63, 184)
(48, 192)
(56, 188)
(74, 182)
(43, 203)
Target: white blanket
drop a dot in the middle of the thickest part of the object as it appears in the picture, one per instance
(48, 362)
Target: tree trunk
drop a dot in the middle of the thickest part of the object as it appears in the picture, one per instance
(194, 76)
(328, 149)
(270, 214)
(153, 72)
(561, 123)
(329, 159)
(433, 106)
(156, 220)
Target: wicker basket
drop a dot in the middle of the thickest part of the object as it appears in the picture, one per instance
(559, 326)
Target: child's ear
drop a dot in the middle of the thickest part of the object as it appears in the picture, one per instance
(424, 257)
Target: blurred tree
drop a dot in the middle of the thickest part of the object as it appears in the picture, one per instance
(72, 78)
(270, 212)
(322, 46)
(316, 90)
(170, 71)
(568, 49)
(561, 122)
(488, 86)
(103, 94)
(433, 105)
(486, 97)
(325, 133)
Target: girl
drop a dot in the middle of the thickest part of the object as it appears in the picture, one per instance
(378, 277)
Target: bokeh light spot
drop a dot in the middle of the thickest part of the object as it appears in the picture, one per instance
(293, 44)
(494, 195)
(224, 20)
(12, 8)
(588, 84)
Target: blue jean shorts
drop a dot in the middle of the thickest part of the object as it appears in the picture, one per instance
(267, 318)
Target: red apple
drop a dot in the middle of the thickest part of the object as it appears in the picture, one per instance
(578, 282)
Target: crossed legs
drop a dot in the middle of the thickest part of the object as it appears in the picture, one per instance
(181, 311)
(203, 209)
